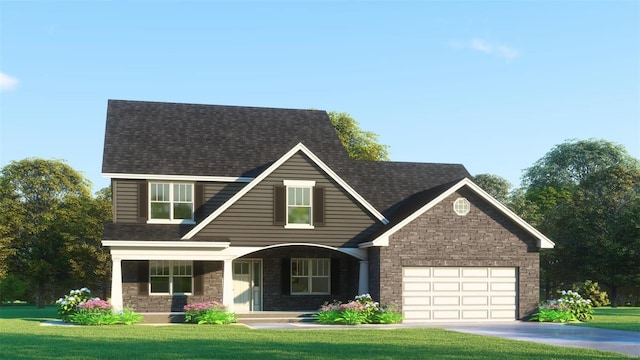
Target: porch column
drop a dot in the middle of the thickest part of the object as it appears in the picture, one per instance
(116, 283)
(227, 284)
(363, 283)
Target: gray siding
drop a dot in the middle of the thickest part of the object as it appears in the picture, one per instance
(126, 198)
(249, 222)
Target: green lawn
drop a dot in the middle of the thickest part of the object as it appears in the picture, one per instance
(622, 318)
(22, 337)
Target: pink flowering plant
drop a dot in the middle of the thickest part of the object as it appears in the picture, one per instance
(569, 307)
(211, 312)
(361, 310)
(80, 308)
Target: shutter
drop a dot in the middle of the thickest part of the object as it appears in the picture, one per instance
(286, 276)
(198, 202)
(198, 278)
(143, 202)
(318, 206)
(143, 277)
(335, 276)
(279, 206)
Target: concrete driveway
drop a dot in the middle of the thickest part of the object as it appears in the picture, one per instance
(624, 342)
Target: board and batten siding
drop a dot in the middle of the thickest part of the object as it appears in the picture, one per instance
(126, 198)
(249, 221)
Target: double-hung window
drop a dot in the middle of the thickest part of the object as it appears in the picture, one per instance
(170, 277)
(310, 276)
(299, 203)
(171, 202)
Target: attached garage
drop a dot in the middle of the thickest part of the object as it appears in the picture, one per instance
(459, 293)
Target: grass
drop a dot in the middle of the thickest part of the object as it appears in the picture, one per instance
(622, 318)
(22, 337)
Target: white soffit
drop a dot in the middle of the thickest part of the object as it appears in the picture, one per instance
(177, 177)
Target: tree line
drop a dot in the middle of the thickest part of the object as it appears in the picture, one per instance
(583, 194)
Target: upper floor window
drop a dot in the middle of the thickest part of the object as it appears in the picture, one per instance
(299, 203)
(171, 202)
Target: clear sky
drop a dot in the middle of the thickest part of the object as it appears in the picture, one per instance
(492, 85)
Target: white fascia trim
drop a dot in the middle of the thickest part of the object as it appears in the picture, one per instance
(299, 183)
(542, 241)
(166, 244)
(177, 177)
(272, 168)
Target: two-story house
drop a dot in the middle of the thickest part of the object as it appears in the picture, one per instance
(262, 209)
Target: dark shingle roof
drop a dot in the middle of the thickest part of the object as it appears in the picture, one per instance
(213, 140)
(209, 140)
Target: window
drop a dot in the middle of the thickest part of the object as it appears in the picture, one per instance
(310, 276)
(299, 204)
(461, 206)
(171, 202)
(170, 277)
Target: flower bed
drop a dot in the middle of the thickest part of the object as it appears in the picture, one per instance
(361, 310)
(211, 312)
(569, 307)
(80, 308)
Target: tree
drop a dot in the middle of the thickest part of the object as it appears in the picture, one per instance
(495, 185)
(580, 194)
(360, 144)
(43, 210)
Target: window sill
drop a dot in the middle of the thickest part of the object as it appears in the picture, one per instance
(169, 294)
(299, 226)
(309, 294)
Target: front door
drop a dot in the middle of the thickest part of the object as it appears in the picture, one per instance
(247, 285)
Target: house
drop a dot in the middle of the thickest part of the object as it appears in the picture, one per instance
(261, 208)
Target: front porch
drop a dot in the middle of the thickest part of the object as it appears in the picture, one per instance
(255, 317)
(248, 281)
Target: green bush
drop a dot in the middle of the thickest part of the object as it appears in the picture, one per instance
(67, 305)
(552, 312)
(581, 308)
(12, 288)
(591, 290)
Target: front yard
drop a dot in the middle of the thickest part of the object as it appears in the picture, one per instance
(22, 337)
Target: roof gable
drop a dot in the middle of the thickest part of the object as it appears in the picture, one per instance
(444, 192)
(298, 148)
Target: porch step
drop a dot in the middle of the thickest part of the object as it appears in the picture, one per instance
(244, 318)
(276, 317)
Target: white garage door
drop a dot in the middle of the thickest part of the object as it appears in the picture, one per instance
(458, 293)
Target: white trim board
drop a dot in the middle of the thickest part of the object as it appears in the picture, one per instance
(383, 239)
(177, 177)
(298, 148)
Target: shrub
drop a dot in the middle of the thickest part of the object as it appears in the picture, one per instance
(67, 304)
(591, 290)
(12, 288)
(211, 312)
(581, 308)
(361, 310)
(551, 311)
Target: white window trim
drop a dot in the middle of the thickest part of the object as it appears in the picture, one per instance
(299, 184)
(310, 277)
(171, 220)
(461, 206)
(171, 262)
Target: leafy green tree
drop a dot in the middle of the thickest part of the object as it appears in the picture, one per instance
(495, 185)
(44, 206)
(360, 144)
(584, 194)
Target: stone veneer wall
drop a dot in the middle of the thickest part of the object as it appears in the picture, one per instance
(440, 237)
(135, 297)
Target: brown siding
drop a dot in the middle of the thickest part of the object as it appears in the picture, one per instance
(484, 237)
(249, 222)
(126, 198)
(141, 301)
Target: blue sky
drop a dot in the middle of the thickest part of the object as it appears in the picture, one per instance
(492, 85)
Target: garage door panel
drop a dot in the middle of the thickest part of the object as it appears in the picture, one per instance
(459, 293)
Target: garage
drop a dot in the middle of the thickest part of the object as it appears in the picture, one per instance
(459, 293)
